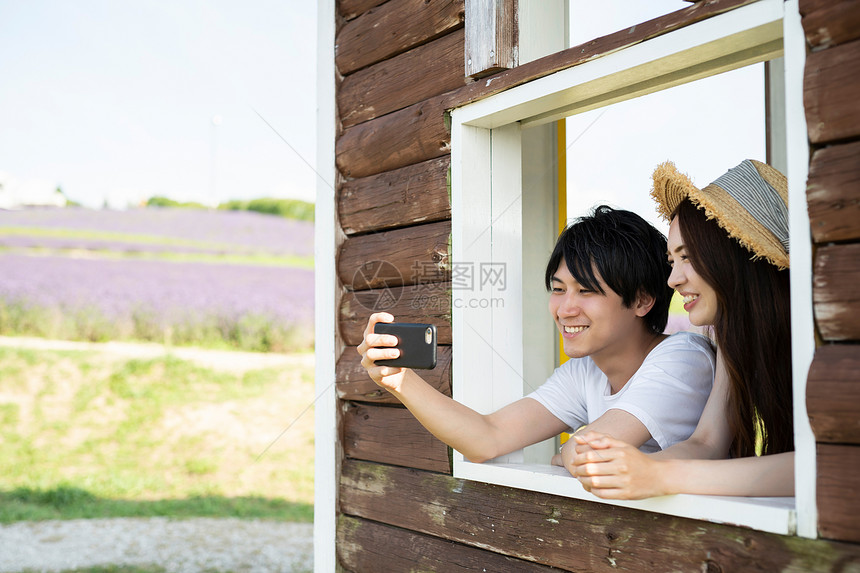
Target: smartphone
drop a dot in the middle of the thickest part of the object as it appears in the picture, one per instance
(416, 341)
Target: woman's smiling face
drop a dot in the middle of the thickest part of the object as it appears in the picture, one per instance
(700, 299)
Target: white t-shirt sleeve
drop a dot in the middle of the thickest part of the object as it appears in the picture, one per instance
(667, 394)
(565, 392)
(669, 391)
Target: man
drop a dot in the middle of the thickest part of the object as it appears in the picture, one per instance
(609, 298)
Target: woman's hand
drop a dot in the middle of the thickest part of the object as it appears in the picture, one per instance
(613, 469)
(379, 347)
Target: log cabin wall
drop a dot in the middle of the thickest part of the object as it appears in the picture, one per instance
(831, 90)
(401, 66)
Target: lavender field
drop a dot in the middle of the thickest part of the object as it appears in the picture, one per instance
(157, 228)
(229, 279)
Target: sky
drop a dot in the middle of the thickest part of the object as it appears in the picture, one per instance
(120, 101)
(705, 127)
(211, 100)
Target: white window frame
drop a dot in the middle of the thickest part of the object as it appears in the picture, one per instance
(487, 206)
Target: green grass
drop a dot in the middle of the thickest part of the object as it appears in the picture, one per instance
(65, 502)
(85, 434)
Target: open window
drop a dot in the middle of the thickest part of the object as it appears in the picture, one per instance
(502, 226)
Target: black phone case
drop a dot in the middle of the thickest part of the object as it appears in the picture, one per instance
(415, 350)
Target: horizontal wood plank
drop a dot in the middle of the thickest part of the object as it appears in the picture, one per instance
(828, 23)
(838, 470)
(394, 84)
(414, 194)
(835, 297)
(353, 383)
(411, 135)
(349, 9)
(831, 83)
(366, 546)
(417, 303)
(391, 435)
(833, 193)
(413, 255)
(571, 534)
(833, 393)
(393, 28)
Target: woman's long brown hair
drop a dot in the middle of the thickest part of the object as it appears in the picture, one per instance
(752, 329)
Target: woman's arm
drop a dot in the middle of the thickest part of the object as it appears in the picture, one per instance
(612, 469)
(620, 471)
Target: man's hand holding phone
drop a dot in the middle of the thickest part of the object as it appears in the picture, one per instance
(388, 348)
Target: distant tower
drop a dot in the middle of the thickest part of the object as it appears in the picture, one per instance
(213, 193)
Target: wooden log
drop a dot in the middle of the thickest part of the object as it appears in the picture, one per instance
(838, 469)
(492, 36)
(393, 84)
(353, 383)
(391, 435)
(833, 394)
(393, 28)
(419, 132)
(831, 84)
(828, 23)
(349, 9)
(417, 303)
(572, 534)
(832, 193)
(411, 135)
(366, 546)
(414, 255)
(836, 300)
(414, 194)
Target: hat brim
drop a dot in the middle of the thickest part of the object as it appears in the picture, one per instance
(671, 187)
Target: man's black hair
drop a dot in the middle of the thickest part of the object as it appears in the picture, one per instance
(626, 251)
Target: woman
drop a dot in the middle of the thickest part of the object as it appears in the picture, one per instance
(728, 246)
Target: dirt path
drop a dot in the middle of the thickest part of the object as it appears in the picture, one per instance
(217, 359)
(179, 546)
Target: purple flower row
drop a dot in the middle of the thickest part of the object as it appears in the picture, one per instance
(117, 246)
(242, 229)
(119, 288)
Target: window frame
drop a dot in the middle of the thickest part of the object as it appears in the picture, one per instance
(487, 226)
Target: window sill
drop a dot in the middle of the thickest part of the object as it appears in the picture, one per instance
(772, 514)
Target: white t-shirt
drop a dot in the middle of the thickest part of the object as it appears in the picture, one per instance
(667, 394)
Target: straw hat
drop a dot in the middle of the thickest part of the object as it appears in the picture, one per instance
(750, 202)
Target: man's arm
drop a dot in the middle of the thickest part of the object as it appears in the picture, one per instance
(479, 437)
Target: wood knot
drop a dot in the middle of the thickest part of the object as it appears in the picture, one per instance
(611, 536)
(712, 567)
